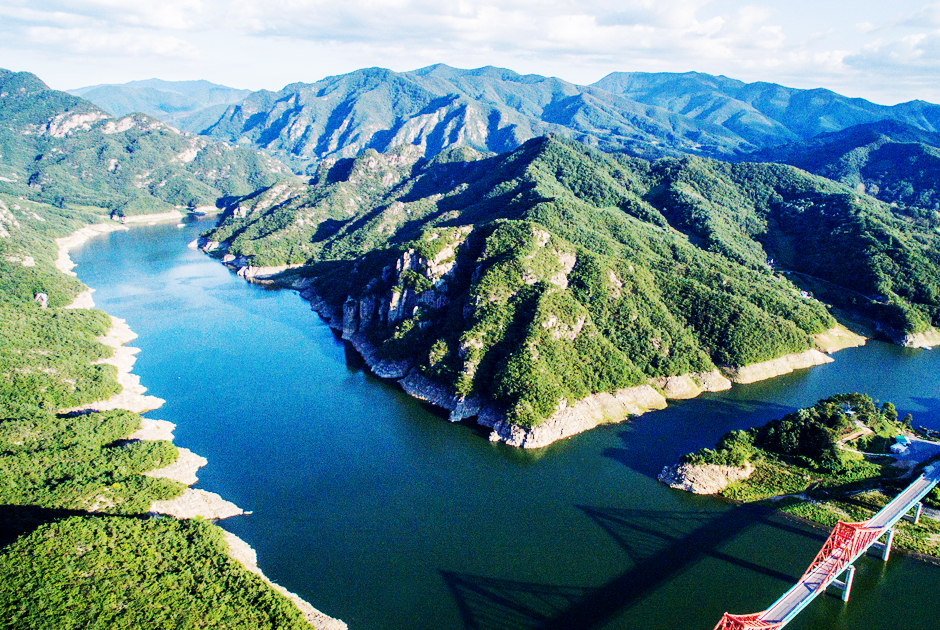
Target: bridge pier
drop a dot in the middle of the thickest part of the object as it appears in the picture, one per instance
(845, 585)
(885, 547)
(915, 518)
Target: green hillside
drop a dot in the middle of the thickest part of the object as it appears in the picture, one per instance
(763, 114)
(889, 160)
(649, 115)
(487, 109)
(77, 546)
(60, 149)
(555, 271)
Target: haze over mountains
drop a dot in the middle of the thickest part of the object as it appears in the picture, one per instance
(187, 105)
(493, 109)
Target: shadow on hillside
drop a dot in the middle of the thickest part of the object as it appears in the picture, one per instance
(661, 544)
(19, 520)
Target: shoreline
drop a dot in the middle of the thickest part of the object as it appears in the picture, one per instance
(193, 502)
(570, 419)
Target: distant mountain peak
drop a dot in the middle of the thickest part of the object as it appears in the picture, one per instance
(188, 105)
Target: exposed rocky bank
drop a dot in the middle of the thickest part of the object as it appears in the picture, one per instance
(703, 479)
(355, 318)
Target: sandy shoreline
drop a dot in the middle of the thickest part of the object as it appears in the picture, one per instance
(194, 502)
(132, 396)
(63, 263)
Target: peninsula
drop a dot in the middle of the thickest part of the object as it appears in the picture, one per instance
(842, 459)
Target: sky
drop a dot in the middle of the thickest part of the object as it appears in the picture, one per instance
(887, 52)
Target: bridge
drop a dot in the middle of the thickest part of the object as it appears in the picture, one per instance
(847, 543)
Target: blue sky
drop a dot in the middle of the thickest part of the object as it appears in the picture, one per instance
(887, 52)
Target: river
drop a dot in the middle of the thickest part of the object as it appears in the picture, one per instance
(378, 511)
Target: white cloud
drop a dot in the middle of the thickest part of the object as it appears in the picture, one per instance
(95, 41)
(927, 16)
(800, 42)
(911, 54)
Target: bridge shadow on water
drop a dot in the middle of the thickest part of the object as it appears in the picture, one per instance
(661, 544)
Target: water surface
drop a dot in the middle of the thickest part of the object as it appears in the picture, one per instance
(376, 510)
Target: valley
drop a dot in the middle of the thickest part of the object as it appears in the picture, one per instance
(607, 276)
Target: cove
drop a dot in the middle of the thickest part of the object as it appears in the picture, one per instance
(379, 512)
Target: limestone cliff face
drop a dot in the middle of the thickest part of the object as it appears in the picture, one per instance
(413, 283)
(927, 339)
(686, 386)
(426, 285)
(777, 367)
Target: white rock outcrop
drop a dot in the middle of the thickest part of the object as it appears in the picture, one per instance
(686, 386)
(703, 479)
(585, 414)
(776, 367)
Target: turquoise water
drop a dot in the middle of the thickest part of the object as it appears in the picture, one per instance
(376, 510)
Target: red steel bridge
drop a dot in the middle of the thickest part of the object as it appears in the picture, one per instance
(847, 543)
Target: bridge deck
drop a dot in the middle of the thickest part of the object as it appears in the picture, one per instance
(815, 582)
(845, 545)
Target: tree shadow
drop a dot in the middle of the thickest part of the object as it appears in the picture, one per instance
(20, 520)
(661, 544)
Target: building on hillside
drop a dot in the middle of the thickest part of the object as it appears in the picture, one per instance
(901, 444)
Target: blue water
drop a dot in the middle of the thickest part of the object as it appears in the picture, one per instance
(376, 510)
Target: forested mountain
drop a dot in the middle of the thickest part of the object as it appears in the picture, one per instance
(58, 148)
(493, 109)
(489, 109)
(186, 105)
(555, 270)
(762, 114)
(890, 160)
(77, 545)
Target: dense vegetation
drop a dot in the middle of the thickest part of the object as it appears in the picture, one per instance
(47, 356)
(79, 462)
(60, 149)
(76, 547)
(889, 160)
(804, 458)
(506, 276)
(119, 572)
(807, 437)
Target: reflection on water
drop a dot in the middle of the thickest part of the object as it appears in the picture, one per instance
(379, 512)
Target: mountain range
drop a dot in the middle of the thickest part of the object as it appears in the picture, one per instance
(498, 233)
(493, 109)
(553, 271)
(187, 105)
